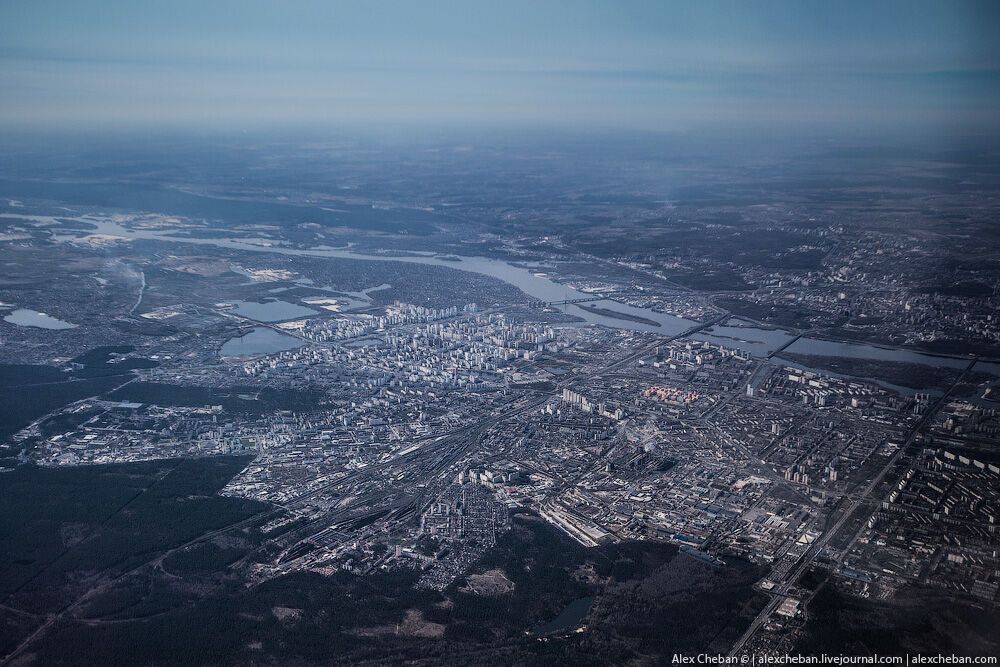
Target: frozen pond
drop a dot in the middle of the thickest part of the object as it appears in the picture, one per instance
(568, 619)
(272, 311)
(259, 342)
(24, 317)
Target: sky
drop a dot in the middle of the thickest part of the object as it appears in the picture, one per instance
(657, 65)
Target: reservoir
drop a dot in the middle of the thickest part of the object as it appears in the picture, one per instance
(24, 317)
(259, 342)
(569, 619)
(272, 311)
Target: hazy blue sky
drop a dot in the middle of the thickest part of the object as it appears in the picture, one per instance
(638, 65)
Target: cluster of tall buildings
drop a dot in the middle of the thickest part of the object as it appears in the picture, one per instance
(583, 403)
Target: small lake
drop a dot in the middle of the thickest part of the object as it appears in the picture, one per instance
(569, 619)
(272, 311)
(258, 342)
(23, 317)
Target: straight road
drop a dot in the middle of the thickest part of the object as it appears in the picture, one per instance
(853, 503)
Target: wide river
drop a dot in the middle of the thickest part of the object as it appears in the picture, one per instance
(734, 334)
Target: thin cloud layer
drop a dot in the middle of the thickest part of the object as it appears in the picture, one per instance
(632, 65)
